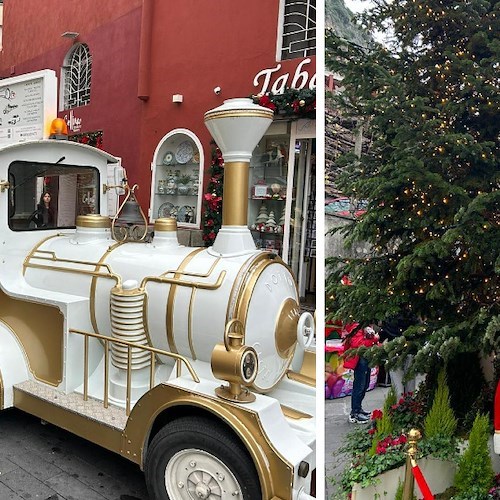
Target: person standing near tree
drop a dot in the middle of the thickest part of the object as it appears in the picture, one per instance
(391, 329)
(356, 338)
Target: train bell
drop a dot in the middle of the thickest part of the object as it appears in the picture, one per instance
(131, 213)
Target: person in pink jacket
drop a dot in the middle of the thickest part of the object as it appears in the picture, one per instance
(357, 337)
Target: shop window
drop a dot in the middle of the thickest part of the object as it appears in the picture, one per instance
(298, 37)
(176, 187)
(76, 77)
(73, 191)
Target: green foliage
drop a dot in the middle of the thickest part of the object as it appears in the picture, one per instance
(469, 392)
(364, 467)
(474, 469)
(290, 102)
(212, 215)
(440, 421)
(383, 424)
(429, 103)
(473, 493)
(399, 492)
(390, 399)
(409, 411)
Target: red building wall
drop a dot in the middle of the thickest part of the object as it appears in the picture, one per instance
(194, 47)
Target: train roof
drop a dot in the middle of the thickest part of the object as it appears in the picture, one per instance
(62, 144)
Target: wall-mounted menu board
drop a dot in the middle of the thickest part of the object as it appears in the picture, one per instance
(28, 104)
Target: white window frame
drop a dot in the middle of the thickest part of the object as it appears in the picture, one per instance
(308, 24)
(80, 95)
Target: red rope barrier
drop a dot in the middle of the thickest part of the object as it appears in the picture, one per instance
(422, 483)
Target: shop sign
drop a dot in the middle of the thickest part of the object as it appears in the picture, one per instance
(270, 79)
(28, 105)
(74, 124)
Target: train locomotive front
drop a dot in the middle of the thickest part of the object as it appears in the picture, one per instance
(188, 361)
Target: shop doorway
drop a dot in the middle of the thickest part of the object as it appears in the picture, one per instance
(301, 254)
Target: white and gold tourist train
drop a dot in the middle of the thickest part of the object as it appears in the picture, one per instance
(191, 362)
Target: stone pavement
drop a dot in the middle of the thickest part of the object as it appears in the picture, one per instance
(44, 462)
(337, 426)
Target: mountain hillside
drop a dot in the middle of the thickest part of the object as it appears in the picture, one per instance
(339, 18)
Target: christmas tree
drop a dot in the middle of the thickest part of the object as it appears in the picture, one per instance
(428, 99)
(212, 215)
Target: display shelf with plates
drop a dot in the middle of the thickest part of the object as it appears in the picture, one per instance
(177, 170)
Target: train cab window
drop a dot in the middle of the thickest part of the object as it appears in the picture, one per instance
(50, 195)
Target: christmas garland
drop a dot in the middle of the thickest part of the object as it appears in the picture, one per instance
(212, 199)
(292, 103)
(89, 138)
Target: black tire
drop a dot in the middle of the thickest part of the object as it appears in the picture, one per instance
(189, 436)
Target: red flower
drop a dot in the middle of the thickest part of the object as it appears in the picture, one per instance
(267, 103)
(372, 431)
(380, 450)
(402, 439)
(377, 414)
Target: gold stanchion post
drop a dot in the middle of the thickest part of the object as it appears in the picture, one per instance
(411, 454)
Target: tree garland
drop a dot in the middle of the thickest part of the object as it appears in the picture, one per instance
(212, 199)
(90, 138)
(291, 103)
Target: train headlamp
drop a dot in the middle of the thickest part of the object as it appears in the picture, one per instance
(235, 363)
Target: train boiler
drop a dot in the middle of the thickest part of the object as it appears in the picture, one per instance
(191, 362)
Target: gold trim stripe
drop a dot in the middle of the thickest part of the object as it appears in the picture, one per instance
(51, 257)
(169, 319)
(240, 113)
(190, 324)
(240, 283)
(1, 391)
(93, 285)
(35, 249)
(293, 413)
(303, 379)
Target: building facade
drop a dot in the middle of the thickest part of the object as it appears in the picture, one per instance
(136, 77)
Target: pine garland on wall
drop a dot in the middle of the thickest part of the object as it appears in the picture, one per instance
(291, 103)
(212, 199)
(89, 138)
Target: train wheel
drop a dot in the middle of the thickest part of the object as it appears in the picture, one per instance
(195, 458)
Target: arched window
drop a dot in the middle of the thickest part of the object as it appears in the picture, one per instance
(298, 28)
(77, 73)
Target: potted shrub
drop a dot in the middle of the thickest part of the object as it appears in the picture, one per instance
(377, 453)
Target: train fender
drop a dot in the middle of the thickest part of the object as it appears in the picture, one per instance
(13, 365)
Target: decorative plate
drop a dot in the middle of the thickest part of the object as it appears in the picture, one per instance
(185, 214)
(165, 210)
(184, 152)
(168, 159)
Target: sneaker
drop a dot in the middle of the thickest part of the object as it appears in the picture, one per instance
(358, 418)
(366, 413)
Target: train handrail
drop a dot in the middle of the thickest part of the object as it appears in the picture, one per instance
(179, 360)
